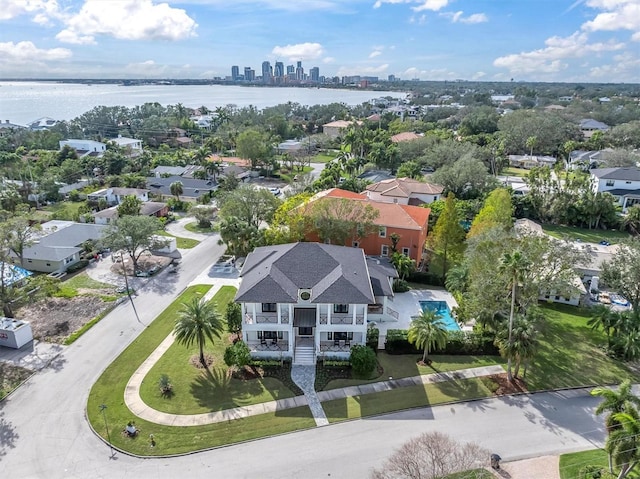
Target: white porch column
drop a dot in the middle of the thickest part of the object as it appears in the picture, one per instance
(278, 309)
(329, 308)
(364, 314)
(291, 316)
(255, 321)
(353, 318)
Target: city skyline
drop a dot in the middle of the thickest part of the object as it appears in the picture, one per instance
(530, 40)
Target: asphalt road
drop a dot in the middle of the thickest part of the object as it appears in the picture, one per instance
(44, 434)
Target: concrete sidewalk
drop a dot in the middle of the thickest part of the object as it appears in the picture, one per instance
(137, 406)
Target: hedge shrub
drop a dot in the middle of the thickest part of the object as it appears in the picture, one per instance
(363, 359)
(461, 343)
(83, 263)
(430, 279)
(373, 334)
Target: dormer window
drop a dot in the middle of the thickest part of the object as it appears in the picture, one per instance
(341, 308)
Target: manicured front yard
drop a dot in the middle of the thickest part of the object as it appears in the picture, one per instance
(289, 175)
(585, 235)
(109, 390)
(405, 365)
(196, 391)
(513, 171)
(404, 398)
(570, 353)
(194, 228)
(63, 210)
(323, 157)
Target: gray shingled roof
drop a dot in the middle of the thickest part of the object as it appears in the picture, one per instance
(380, 270)
(334, 274)
(626, 173)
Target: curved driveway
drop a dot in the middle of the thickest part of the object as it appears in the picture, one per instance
(43, 432)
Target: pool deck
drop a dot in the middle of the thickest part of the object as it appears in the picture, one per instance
(408, 305)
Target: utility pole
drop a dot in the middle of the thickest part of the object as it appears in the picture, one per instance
(103, 407)
(126, 285)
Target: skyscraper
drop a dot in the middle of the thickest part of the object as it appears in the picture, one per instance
(278, 71)
(235, 72)
(266, 72)
(249, 74)
(314, 73)
(299, 71)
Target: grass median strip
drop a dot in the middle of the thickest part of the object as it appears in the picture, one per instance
(109, 390)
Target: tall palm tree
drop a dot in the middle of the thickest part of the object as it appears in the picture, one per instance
(403, 264)
(428, 332)
(523, 345)
(615, 401)
(198, 322)
(176, 189)
(623, 445)
(605, 318)
(514, 264)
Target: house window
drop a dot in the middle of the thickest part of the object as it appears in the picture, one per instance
(384, 251)
(395, 200)
(405, 251)
(627, 182)
(382, 232)
(340, 308)
(269, 307)
(269, 334)
(610, 182)
(342, 335)
(356, 244)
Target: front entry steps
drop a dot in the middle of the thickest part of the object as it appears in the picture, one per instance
(304, 355)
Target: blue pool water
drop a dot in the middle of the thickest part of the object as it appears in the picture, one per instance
(445, 313)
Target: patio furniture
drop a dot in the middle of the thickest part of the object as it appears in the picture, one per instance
(263, 342)
(336, 342)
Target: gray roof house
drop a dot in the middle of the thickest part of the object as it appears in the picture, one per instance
(192, 189)
(310, 300)
(59, 246)
(622, 182)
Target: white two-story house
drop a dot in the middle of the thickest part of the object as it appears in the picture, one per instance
(404, 191)
(623, 183)
(310, 300)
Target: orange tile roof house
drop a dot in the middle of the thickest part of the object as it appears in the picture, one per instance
(409, 222)
(336, 128)
(405, 136)
(404, 191)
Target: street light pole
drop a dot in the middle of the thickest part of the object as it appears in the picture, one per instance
(106, 426)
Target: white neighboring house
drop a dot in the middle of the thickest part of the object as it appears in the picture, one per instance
(114, 196)
(528, 161)
(132, 146)
(310, 300)
(622, 182)
(85, 147)
(404, 191)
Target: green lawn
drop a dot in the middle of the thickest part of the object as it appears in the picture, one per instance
(63, 210)
(405, 365)
(512, 171)
(473, 474)
(571, 464)
(109, 390)
(83, 281)
(198, 392)
(585, 235)
(181, 243)
(323, 157)
(404, 398)
(194, 228)
(570, 353)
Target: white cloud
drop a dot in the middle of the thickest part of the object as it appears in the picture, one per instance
(552, 58)
(147, 68)
(478, 75)
(362, 70)
(127, 20)
(421, 20)
(26, 53)
(300, 51)
(435, 74)
(328, 60)
(433, 5)
(290, 6)
(623, 68)
(42, 9)
(375, 53)
(471, 19)
(617, 15)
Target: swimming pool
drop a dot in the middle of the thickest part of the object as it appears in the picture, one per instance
(443, 310)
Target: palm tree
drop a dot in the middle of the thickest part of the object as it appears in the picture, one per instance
(428, 331)
(632, 220)
(603, 317)
(176, 189)
(622, 444)
(514, 264)
(403, 264)
(523, 345)
(198, 322)
(614, 402)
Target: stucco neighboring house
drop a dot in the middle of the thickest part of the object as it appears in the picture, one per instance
(589, 126)
(410, 223)
(6, 128)
(85, 147)
(622, 182)
(131, 146)
(43, 123)
(149, 208)
(404, 191)
(114, 196)
(306, 301)
(58, 246)
(586, 160)
(337, 128)
(528, 161)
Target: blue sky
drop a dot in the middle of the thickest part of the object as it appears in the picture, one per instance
(530, 40)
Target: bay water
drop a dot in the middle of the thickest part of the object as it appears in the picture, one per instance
(24, 102)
